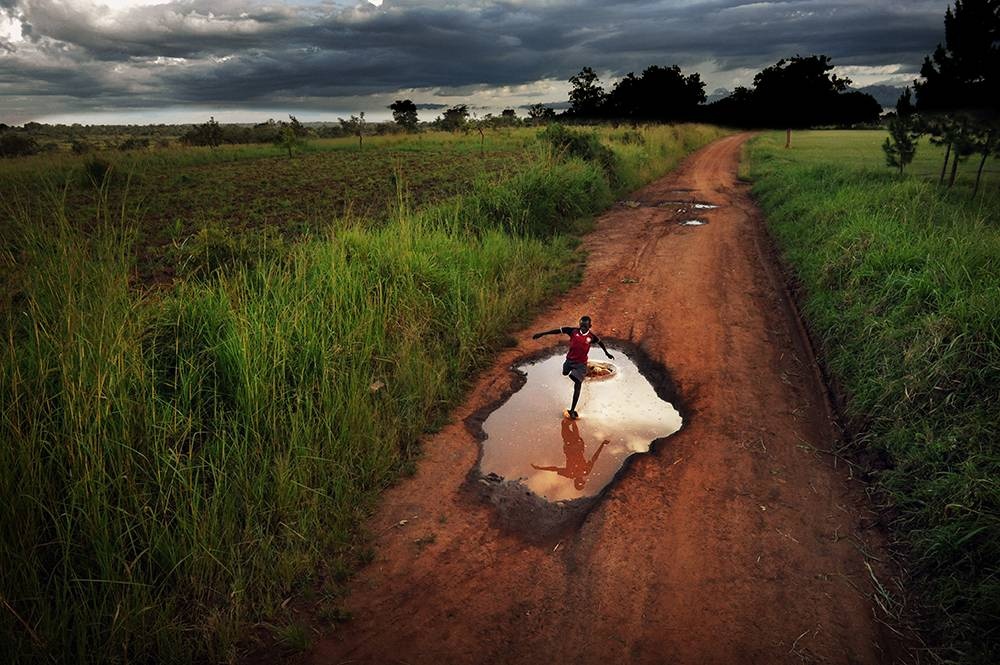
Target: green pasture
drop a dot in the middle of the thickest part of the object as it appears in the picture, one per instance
(862, 149)
(900, 284)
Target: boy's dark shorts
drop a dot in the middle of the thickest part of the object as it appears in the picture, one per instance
(576, 371)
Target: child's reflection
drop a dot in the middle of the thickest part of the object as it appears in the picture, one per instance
(577, 467)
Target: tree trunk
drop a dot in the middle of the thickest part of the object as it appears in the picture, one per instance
(979, 173)
(788, 138)
(944, 167)
(361, 140)
(954, 170)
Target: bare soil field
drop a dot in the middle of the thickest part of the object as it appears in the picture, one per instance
(737, 540)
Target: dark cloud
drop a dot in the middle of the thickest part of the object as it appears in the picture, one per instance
(232, 53)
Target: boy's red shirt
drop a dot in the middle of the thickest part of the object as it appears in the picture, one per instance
(579, 345)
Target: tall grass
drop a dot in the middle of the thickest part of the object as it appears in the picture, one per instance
(902, 287)
(176, 463)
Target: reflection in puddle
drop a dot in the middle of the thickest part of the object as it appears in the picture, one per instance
(705, 206)
(694, 222)
(528, 440)
(578, 467)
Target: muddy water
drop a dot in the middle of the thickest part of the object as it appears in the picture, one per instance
(530, 442)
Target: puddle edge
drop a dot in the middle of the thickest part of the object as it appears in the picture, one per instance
(519, 510)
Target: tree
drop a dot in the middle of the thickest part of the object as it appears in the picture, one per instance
(964, 73)
(481, 125)
(660, 93)
(986, 142)
(209, 133)
(455, 117)
(300, 130)
(904, 105)
(795, 92)
(960, 90)
(539, 113)
(799, 92)
(404, 113)
(587, 96)
(290, 134)
(356, 125)
(960, 134)
(901, 144)
(212, 133)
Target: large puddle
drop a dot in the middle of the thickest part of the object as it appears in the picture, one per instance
(533, 453)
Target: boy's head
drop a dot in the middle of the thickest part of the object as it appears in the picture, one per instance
(584, 323)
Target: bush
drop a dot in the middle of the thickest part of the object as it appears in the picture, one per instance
(80, 147)
(15, 144)
(98, 171)
(583, 145)
(134, 143)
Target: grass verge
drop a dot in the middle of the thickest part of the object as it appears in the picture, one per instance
(901, 285)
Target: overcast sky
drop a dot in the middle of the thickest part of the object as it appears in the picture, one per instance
(153, 61)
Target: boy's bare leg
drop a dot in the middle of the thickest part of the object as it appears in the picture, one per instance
(576, 398)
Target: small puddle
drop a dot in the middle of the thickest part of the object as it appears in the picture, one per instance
(693, 222)
(705, 206)
(541, 467)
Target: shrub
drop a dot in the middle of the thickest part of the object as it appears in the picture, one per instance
(134, 143)
(98, 171)
(15, 144)
(584, 145)
(80, 147)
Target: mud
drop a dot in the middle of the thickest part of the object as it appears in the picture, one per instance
(736, 541)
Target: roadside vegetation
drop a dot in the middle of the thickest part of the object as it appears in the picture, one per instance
(180, 461)
(900, 284)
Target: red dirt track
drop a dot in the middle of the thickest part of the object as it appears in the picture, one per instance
(734, 542)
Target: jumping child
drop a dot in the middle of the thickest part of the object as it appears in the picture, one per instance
(575, 366)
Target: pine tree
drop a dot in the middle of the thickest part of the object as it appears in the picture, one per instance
(901, 144)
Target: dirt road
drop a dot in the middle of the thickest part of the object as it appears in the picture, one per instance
(734, 542)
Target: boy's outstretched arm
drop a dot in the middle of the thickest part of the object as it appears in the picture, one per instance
(600, 343)
(554, 331)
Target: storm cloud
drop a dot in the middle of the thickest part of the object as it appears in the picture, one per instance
(91, 55)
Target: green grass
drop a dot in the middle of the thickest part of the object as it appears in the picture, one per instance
(862, 149)
(176, 462)
(901, 285)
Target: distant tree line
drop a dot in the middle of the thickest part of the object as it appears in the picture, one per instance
(794, 92)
